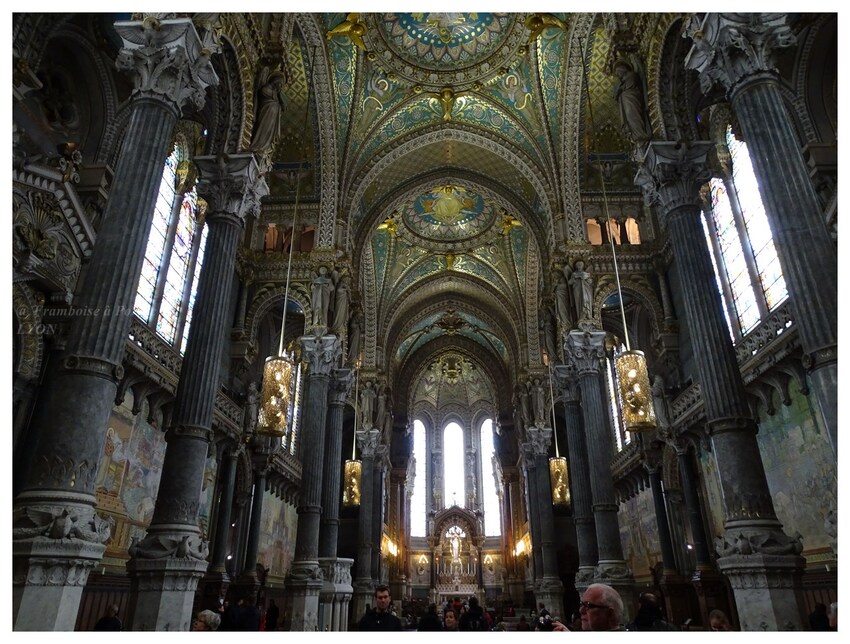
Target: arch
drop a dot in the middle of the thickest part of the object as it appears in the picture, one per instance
(678, 96)
(228, 102)
(267, 297)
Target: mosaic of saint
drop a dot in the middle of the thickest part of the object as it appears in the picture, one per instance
(448, 213)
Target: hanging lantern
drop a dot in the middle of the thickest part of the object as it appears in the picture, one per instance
(351, 483)
(274, 404)
(560, 481)
(635, 392)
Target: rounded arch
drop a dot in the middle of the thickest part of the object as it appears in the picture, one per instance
(676, 97)
(266, 298)
(645, 296)
(227, 104)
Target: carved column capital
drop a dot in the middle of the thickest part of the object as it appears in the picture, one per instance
(671, 174)
(167, 61)
(340, 385)
(368, 442)
(320, 353)
(584, 350)
(231, 185)
(539, 440)
(734, 49)
(566, 380)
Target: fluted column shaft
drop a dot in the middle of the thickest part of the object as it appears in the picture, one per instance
(256, 517)
(694, 509)
(666, 542)
(368, 442)
(225, 505)
(738, 50)
(580, 490)
(72, 413)
(533, 511)
(321, 354)
(377, 518)
(329, 529)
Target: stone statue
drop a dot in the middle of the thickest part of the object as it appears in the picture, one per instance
(524, 407)
(659, 401)
(270, 103)
(629, 94)
(550, 334)
(342, 298)
(582, 286)
(323, 287)
(562, 301)
(252, 401)
(538, 401)
(355, 326)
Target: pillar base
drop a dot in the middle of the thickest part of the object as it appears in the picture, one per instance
(303, 586)
(765, 590)
(48, 581)
(550, 591)
(617, 575)
(162, 592)
(585, 576)
(364, 591)
(335, 594)
(712, 593)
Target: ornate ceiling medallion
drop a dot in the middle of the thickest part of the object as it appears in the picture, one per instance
(448, 213)
(435, 50)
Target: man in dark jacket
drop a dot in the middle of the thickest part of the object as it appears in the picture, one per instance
(649, 617)
(430, 621)
(473, 619)
(380, 619)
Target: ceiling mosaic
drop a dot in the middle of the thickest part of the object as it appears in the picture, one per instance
(453, 378)
(448, 213)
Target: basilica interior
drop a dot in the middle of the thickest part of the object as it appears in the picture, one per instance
(468, 304)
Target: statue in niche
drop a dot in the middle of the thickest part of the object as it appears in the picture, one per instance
(270, 104)
(629, 95)
(538, 401)
(524, 407)
(252, 401)
(550, 334)
(355, 327)
(660, 402)
(562, 300)
(582, 285)
(323, 287)
(342, 299)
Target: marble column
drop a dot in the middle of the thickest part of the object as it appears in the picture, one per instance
(549, 588)
(321, 353)
(737, 50)
(377, 520)
(216, 580)
(263, 449)
(760, 560)
(707, 582)
(368, 442)
(173, 553)
(584, 352)
(529, 467)
(57, 536)
(580, 491)
(333, 594)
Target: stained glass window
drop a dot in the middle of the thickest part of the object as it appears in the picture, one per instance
(454, 490)
(417, 499)
(740, 242)
(173, 260)
(492, 513)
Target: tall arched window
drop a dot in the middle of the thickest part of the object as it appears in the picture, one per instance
(417, 499)
(740, 241)
(454, 491)
(492, 510)
(174, 254)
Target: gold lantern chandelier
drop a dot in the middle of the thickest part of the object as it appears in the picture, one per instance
(559, 478)
(632, 377)
(353, 467)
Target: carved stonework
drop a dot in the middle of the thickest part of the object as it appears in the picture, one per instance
(567, 383)
(539, 440)
(730, 48)
(758, 541)
(671, 174)
(166, 60)
(60, 521)
(368, 442)
(159, 546)
(321, 354)
(340, 386)
(584, 350)
(231, 185)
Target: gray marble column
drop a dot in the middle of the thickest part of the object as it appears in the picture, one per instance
(580, 491)
(377, 520)
(336, 588)
(529, 466)
(216, 580)
(671, 178)
(584, 352)
(368, 442)
(173, 552)
(263, 449)
(652, 464)
(694, 508)
(737, 50)
(549, 588)
(305, 577)
(57, 537)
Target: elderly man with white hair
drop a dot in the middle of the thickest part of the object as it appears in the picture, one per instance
(601, 609)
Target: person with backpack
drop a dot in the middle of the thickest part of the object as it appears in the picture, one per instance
(473, 618)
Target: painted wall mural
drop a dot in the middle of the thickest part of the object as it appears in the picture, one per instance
(277, 536)
(639, 534)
